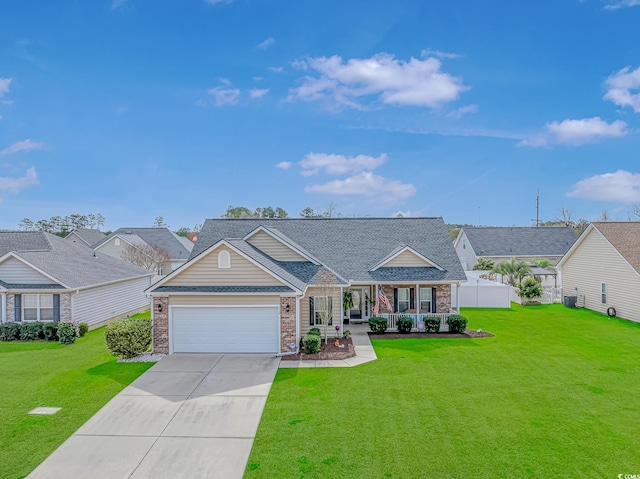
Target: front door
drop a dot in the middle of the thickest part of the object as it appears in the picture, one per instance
(361, 308)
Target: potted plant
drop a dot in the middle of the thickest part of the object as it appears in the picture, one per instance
(347, 304)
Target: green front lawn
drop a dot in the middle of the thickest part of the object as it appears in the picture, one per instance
(556, 393)
(80, 378)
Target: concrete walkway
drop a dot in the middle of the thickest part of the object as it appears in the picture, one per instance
(361, 342)
(189, 416)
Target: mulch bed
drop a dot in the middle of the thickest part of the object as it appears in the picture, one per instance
(469, 333)
(327, 351)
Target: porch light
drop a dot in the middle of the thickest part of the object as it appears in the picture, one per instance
(287, 308)
(159, 308)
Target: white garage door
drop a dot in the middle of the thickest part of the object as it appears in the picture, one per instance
(225, 330)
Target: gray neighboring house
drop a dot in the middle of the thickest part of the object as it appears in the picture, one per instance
(45, 278)
(258, 285)
(506, 242)
(179, 248)
(85, 236)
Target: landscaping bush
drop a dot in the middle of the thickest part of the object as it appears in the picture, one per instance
(311, 343)
(405, 323)
(31, 331)
(457, 323)
(315, 332)
(50, 331)
(10, 331)
(530, 289)
(67, 332)
(129, 338)
(432, 325)
(378, 325)
(83, 328)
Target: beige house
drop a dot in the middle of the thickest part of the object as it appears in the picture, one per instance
(260, 285)
(603, 269)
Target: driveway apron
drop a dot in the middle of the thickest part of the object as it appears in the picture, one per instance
(189, 416)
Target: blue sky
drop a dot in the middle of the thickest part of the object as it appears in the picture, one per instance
(460, 109)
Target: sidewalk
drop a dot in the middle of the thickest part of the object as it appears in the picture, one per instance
(361, 343)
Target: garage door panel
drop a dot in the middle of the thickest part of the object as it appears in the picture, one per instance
(225, 329)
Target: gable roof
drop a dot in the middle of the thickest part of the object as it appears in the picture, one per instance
(519, 241)
(177, 246)
(88, 235)
(350, 247)
(72, 265)
(398, 251)
(625, 237)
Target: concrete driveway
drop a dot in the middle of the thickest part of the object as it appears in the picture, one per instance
(189, 416)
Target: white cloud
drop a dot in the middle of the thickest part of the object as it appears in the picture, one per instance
(115, 4)
(284, 165)
(263, 45)
(577, 132)
(620, 86)
(276, 69)
(622, 4)
(258, 92)
(13, 186)
(216, 2)
(392, 81)
(25, 145)
(4, 86)
(225, 96)
(313, 163)
(366, 184)
(300, 64)
(621, 186)
(463, 111)
(428, 52)
(257, 78)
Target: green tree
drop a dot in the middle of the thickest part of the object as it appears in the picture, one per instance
(529, 289)
(512, 270)
(484, 264)
(309, 213)
(159, 222)
(27, 225)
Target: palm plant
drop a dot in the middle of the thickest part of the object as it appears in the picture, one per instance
(513, 270)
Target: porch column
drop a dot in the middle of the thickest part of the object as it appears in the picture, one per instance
(417, 299)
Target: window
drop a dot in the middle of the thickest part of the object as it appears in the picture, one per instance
(38, 307)
(426, 296)
(321, 307)
(603, 291)
(404, 300)
(116, 241)
(464, 243)
(224, 260)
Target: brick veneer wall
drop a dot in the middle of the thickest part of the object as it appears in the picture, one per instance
(65, 307)
(161, 325)
(11, 310)
(287, 324)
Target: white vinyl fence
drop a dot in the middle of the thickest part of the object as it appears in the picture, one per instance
(480, 293)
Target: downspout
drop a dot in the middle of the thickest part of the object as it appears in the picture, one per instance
(72, 305)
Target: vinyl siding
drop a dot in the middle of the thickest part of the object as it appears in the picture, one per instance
(406, 258)
(223, 300)
(74, 238)
(593, 262)
(304, 310)
(205, 272)
(99, 304)
(15, 271)
(467, 253)
(274, 248)
(109, 248)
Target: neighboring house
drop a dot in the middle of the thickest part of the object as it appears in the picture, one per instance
(177, 247)
(501, 243)
(46, 278)
(256, 285)
(603, 269)
(85, 236)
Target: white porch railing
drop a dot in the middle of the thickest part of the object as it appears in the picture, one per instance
(392, 318)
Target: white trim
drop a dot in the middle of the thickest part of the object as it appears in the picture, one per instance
(411, 281)
(3, 308)
(74, 233)
(208, 251)
(411, 250)
(14, 255)
(149, 275)
(282, 241)
(224, 259)
(209, 306)
(197, 293)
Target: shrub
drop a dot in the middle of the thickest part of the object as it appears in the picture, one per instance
(530, 289)
(378, 325)
(31, 331)
(83, 328)
(50, 331)
(311, 343)
(10, 331)
(346, 334)
(457, 323)
(404, 323)
(484, 264)
(315, 332)
(128, 338)
(67, 333)
(432, 325)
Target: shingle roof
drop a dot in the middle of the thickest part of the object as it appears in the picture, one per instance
(30, 286)
(223, 289)
(349, 246)
(625, 237)
(178, 247)
(69, 263)
(90, 236)
(519, 241)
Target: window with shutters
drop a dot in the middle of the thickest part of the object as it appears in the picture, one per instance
(404, 300)
(321, 309)
(426, 296)
(37, 307)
